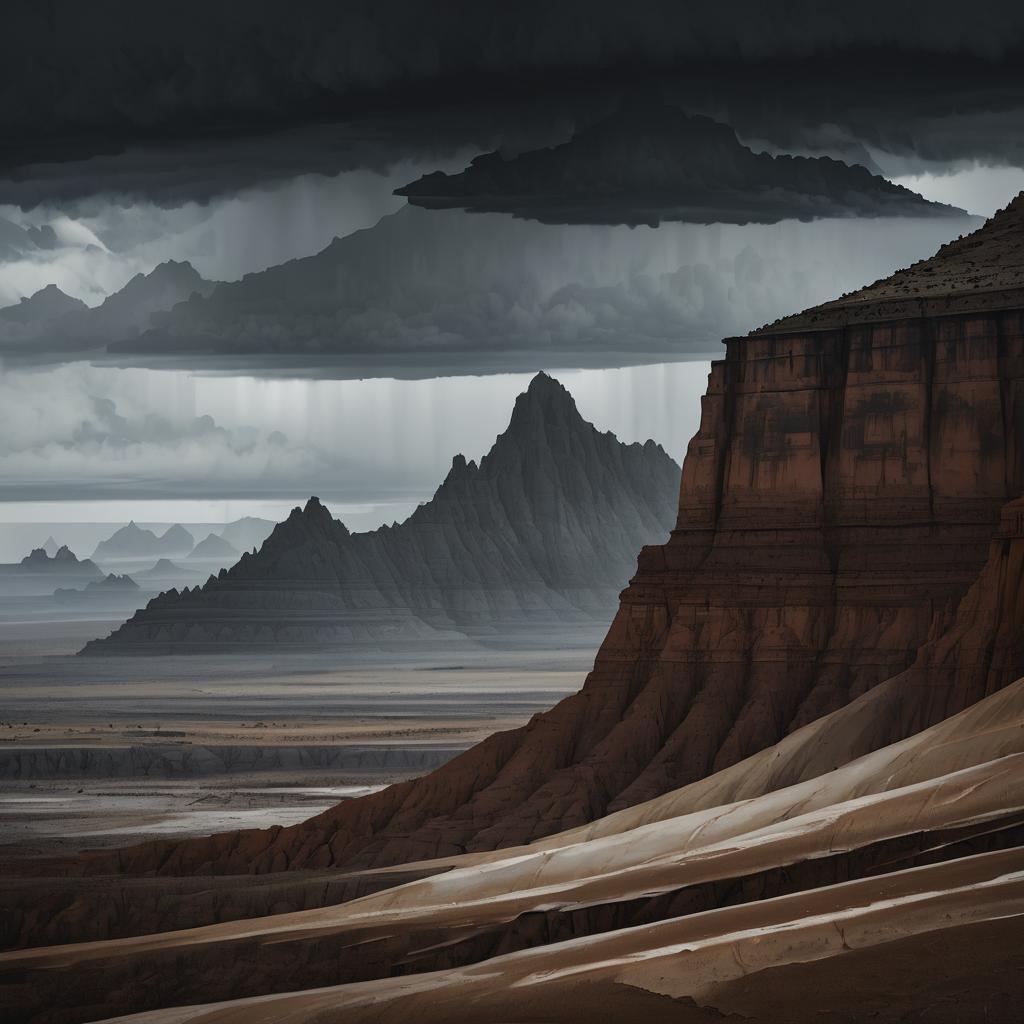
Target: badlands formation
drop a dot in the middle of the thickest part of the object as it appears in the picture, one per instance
(541, 534)
(792, 787)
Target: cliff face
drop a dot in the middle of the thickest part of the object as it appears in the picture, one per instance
(837, 502)
(543, 532)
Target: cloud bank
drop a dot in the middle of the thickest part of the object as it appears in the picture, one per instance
(426, 292)
(197, 100)
(84, 433)
(650, 162)
(158, 68)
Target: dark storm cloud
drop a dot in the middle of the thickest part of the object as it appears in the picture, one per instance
(172, 172)
(649, 162)
(173, 101)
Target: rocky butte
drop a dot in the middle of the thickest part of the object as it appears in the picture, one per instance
(791, 785)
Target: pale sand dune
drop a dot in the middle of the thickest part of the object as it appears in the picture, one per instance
(697, 957)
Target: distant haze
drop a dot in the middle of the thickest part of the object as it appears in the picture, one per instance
(387, 444)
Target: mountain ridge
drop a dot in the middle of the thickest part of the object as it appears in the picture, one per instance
(543, 529)
(132, 542)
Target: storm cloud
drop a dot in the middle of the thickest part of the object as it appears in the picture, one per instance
(194, 100)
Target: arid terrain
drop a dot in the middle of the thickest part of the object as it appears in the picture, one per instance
(101, 752)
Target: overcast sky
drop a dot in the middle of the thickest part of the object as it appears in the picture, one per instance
(237, 140)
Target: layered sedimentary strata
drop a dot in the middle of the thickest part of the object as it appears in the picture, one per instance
(542, 532)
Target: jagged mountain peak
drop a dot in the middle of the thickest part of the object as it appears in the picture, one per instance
(543, 385)
(62, 558)
(316, 511)
(544, 528)
(461, 468)
(546, 400)
(309, 526)
(312, 517)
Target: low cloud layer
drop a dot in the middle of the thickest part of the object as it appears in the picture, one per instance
(432, 292)
(650, 162)
(105, 244)
(78, 432)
